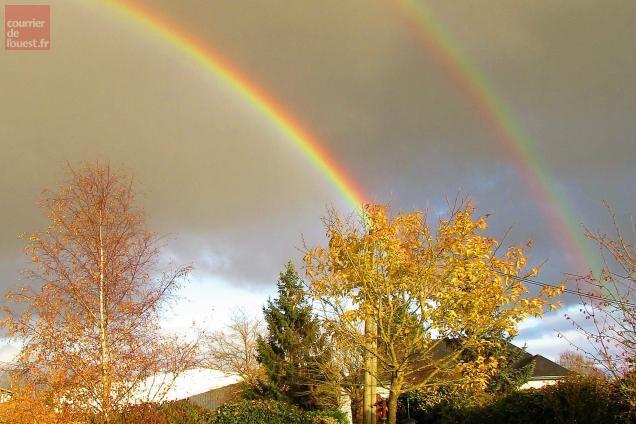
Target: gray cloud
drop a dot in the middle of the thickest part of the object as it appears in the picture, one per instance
(238, 195)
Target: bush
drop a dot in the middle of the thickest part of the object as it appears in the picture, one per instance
(582, 400)
(184, 412)
(574, 400)
(177, 412)
(441, 406)
(323, 420)
(274, 412)
(259, 411)
(145, 412)
(327, 417)
(523, 407)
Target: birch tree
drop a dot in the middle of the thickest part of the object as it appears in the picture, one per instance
(88, 321)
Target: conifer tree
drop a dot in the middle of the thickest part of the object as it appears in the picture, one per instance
(294, 349)
(510, 376)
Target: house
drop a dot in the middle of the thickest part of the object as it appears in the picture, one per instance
(5, 394)
(5, 383)
(205, 387)
(216, 397)
(545, 371)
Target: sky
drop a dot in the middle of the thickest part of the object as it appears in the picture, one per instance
(237, 198)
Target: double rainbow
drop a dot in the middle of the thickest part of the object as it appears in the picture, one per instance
(467, 78)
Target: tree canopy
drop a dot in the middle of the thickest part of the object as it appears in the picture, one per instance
(89, 322)
(420, 289)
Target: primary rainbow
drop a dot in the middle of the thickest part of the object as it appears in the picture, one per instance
(468, 79)
(275, 113)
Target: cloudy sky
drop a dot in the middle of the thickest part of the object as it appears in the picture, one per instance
(236, 195)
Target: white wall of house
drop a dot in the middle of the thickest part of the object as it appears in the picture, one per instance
(537, 384)
(165, 387)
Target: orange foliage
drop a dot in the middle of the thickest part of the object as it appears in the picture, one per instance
(89, 323)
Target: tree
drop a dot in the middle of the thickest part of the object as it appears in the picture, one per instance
(295, 348)
(607, 303)
(579, 364)
(89, 326)
(417, 290)
(234, 350)
(509, 375)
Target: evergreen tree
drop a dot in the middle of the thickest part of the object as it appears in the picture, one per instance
(295, 349)
(510, 376)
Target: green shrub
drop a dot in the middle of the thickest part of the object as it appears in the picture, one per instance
(441, 406)
(582, 400)
(523, 407)
(274, 412)
(574, 400)
(326, 417)
(323, 420)
(259, 411)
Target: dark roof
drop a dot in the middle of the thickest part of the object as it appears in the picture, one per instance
(544, 369)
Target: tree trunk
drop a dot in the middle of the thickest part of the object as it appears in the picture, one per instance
(357, 406)
(370, 373)
(394, 395)
(103, 323)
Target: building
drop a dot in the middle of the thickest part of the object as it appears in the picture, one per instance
(216, 397)
(205, 387)
(545, 371)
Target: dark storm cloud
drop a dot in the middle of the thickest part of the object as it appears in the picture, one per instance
(237, 195)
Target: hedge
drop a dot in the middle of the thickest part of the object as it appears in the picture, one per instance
(176, 412)
(274, 412)
(327, 417)
(576, 400)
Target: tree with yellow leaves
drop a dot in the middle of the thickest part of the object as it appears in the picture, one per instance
(416, 292)
(89, 325)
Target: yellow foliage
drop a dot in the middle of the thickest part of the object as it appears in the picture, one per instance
(419, 285)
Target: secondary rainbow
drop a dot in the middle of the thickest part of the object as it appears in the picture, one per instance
(473, 85)
(275, 113)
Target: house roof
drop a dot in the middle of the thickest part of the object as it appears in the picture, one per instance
(544, 369)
